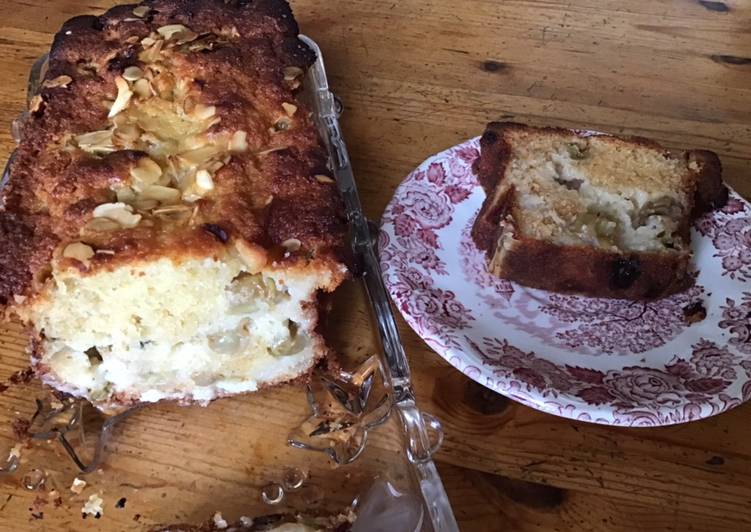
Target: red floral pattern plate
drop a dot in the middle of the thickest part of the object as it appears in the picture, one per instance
(613, 362)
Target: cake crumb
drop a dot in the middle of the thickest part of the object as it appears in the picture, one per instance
(77, 486)
(694, 312)
(93, 506)
(219, 522)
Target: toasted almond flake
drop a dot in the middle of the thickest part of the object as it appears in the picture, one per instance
(105, 252)
(78, 251)
(146, 172)
(253, 256)
(160, 193)
(177, 32)
(172, 209)
(142, 88)
(203, 112)
(126, 135)
(125, 195)
(96, 141)
(132, 73)
(204, 180)
(123, 97)
(324, 179)
(200, 155)
(77, 486)
(141, 11)
(121, 213)
(19, 300)
(60, 81)
(145, 204)
(151, 53)
(171, 29)
(291, 72)
(103, 225)
(271, 150)
(292, 244)
(36, 103)
(148, 41)
(239, 141)
(289, 108)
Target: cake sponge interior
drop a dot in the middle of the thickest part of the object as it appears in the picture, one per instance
(598, 191)
(195, 330)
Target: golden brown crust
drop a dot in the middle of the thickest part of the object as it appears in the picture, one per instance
(581, 269)
(263, 198)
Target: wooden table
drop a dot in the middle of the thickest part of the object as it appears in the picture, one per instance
(418, 76)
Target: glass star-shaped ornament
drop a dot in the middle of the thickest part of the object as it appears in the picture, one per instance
(80, 429)
(345, 407)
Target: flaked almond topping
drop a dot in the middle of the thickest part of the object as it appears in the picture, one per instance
(123, 97)
(200, 155)
(289, 108)
(105, 252)
(177, 32)
(172, 209)
(204, 180)
(78, 251)
(148, 41)
(141, 11)
(160, 193)
(203, 112)
(152, 52)
(103, 225)
(215, 166)
(96, 141)
(271, 150)
(253, 258)
(142, 88)
(125, 195)
(324, 179)
(36, 103)
(126, 135)
(239, 142)
(132, 73)
(291, 244)
(146, 171)
(291, 72)
(145, 204)
(59, 81)
(121, 213)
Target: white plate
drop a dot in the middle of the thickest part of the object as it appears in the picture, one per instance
(614, 362)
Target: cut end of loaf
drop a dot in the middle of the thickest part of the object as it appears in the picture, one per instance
(191, 330)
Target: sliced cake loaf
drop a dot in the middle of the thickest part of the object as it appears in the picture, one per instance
(597, 215)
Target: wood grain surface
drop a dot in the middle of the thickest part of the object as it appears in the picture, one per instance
(417, 76)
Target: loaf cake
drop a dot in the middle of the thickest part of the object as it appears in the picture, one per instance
(599, 215)
(170, 220)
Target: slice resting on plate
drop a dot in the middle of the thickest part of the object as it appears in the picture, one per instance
(169, 222)
(597, 215)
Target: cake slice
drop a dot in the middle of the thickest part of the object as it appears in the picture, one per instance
(169, 221)
(600, 215)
